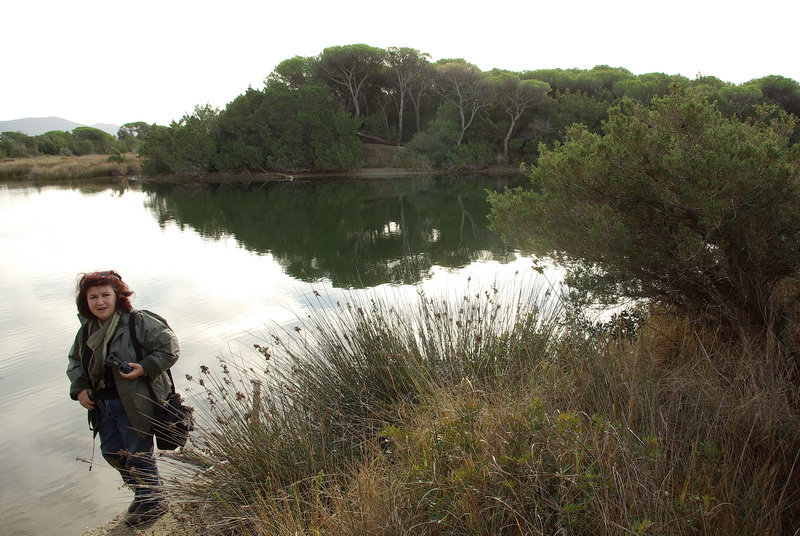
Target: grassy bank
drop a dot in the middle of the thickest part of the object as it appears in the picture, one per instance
(59, 168)
(378, 161)
(493, 414)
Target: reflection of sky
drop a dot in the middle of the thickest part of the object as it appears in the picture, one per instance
(218, 297)
(210, 292)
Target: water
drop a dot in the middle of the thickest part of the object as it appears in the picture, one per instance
(219, 264)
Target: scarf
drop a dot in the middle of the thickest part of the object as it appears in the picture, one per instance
(99, 337)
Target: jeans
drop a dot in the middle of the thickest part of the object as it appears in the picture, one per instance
(129, 454)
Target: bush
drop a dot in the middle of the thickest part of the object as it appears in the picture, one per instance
(676, 204)
(436, 141)
(469, 157)
(16, 145)
(235, 154)
(308, 131)
(180, 148)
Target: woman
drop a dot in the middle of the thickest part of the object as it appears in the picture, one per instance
(120, 399)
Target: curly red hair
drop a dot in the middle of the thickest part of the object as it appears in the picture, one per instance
(101, 279)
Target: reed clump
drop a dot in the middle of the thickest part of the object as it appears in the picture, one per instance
(494, 413)
(60, 168)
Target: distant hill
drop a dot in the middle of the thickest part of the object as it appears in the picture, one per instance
(33, 126)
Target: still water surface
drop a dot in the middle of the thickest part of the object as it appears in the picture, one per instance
(220, 263)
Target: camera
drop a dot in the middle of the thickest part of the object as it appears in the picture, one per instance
(114, 360)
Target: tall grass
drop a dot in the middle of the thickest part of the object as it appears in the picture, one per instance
(58, 168)
(492, 414)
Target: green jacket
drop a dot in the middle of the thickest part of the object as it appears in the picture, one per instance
(160, 352)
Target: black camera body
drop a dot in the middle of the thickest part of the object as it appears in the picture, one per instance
(114, 360)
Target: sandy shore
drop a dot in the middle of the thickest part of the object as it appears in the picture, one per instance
(165, 526)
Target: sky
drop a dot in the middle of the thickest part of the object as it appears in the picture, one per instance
(93, 61)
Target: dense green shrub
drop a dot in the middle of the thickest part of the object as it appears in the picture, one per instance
(436, 141)
(15, 144)
(675, 203)
(469, 157)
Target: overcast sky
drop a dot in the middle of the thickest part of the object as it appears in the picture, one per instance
(117, 62)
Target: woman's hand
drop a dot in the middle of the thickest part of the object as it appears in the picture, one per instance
(137, 372)
(85, 399)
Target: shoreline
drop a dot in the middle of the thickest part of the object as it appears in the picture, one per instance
(167, 525)
(55, 169)
(359, 173)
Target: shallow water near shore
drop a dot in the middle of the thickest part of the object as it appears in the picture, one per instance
(219, 264)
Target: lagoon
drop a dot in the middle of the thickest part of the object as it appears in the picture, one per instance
(220, 263)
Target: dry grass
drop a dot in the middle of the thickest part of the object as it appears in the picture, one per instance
(491, 417)
(57, 168)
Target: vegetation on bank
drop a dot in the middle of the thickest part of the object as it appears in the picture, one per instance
(450, 115)
(80, 142)
(312, 112)
(675, 204)
(376, 160)
(60, 168)
(510, 410)
(496, 413)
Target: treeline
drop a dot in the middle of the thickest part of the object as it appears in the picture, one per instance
(80, 141)
(312, 111)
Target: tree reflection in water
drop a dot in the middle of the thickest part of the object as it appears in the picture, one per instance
(355, 233)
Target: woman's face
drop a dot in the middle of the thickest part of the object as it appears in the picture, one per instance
(102, 302)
